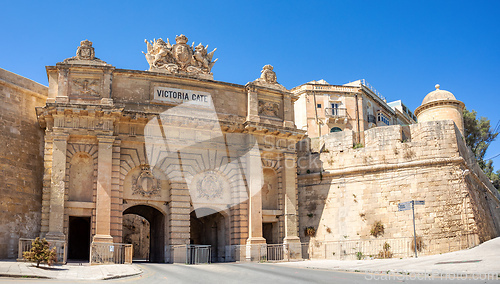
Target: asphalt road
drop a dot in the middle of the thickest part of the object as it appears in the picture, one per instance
(251, 273)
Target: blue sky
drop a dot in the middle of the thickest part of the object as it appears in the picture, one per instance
(402, 48)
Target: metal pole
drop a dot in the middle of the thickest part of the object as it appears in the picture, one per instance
(414, 230)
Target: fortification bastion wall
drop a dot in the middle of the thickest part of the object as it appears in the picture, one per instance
(21, 160)
(345, 190)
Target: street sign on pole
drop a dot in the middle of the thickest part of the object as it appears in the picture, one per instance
(403, 206)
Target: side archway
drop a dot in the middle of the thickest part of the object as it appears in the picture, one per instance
(156, 221)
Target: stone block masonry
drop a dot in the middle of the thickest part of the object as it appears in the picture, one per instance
(21, 160)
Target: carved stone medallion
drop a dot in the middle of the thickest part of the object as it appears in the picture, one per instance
(209, 186)
(145, 184)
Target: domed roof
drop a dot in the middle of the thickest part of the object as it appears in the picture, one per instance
(438, 95)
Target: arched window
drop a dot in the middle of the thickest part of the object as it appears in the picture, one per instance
(335, 129)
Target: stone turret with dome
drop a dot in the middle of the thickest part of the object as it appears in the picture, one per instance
(441, 105)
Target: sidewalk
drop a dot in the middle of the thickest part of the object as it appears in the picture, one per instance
(482, 259)
(70, 271)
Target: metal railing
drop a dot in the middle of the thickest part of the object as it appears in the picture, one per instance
(258, 252)
(395, 248)
(336, 112)
(110, 253)
(26, 244)
(191, 254)
(277, 252)
(366, 84)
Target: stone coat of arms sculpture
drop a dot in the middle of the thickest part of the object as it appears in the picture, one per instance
(85, 55)
(145, 184)
(268, 79)
(180, 58)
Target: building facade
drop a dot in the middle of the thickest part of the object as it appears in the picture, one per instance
(322, 108)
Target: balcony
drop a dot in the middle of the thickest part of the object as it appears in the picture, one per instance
(336, 115)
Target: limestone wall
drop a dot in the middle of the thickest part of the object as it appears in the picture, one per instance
(344, 191)
(21, 163)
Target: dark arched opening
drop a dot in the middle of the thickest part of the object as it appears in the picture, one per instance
(209, 229)
(335, 129)
(157, 230)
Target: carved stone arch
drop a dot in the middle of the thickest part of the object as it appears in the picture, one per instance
(150, 204)
(75, 154)
(130, 158)
(201, 164)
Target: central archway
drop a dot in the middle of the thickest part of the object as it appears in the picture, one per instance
(156, 221)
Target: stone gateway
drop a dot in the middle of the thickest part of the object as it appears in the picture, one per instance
(170, 157)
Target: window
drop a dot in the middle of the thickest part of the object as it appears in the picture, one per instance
(335, 109)
(381, 117)
(318, 106)
(335, 129)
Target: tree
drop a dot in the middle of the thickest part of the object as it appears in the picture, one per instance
(40, 252)
(478, 136)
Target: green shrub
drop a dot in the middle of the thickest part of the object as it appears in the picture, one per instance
(40, 252)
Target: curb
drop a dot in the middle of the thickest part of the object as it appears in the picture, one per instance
(25, 276)
(121, 276)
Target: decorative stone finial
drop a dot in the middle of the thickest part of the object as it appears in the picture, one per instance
(85, 51)
(437, 86)
(85, 54)
(268, 75)
(180, 58)
(268, 78)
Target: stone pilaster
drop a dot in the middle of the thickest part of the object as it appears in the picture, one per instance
(116, 194)
(63, 86)
(103, 198)
(106, 87)
(47, 177)
(57, 188)
(180, 207)
(179, 218)
(291, 210)
(254, 182)
(288, 111)
(253, 104)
